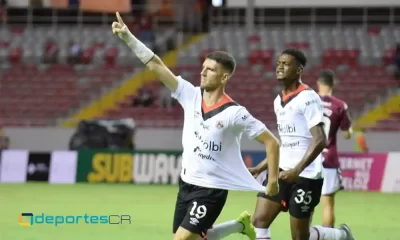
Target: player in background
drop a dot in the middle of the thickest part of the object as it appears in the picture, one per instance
(211, 161)
(336, 117)
(299, 112)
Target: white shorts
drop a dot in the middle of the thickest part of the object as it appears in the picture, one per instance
(332, 181)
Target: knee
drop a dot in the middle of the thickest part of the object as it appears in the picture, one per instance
(260, 221)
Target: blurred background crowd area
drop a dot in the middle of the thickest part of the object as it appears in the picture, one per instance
(60, 63)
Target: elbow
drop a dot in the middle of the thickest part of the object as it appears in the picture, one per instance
(273, 145)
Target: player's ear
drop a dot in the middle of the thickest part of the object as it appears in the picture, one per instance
(300, 70)
(225, 77)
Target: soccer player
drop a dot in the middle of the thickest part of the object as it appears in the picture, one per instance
(335, 116)
(211, 159)
(299, 112)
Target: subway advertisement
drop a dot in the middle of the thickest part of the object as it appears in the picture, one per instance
(360, 172)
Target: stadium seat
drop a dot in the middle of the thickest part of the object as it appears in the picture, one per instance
(359, 56)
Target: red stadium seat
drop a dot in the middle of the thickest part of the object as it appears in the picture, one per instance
(111, 56)
(388, 56)
(15, 56)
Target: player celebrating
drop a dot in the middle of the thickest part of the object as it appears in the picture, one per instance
(335, 116)
(211, 159)
(299, 112)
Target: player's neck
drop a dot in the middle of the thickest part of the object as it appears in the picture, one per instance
(291, 87)
(213, 97)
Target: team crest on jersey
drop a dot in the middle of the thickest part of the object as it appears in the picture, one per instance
(220, 124)
(197, 114)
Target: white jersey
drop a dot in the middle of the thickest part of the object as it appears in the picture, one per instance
(296, 114)
(211, 141)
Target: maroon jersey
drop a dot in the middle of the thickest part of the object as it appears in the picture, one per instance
(335, 116)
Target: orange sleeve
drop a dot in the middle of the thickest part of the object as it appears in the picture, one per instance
(361, 142)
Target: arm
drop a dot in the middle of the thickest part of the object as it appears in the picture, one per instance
(254, 129)
(345, 123)
(271, 144)
(151, 60)
(318, 143)
(313, 114)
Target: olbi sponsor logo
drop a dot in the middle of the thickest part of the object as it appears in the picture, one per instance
(212, 146)
(286, 128)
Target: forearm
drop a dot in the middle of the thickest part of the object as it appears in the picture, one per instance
(144, 54)
(315, 148)
(262, 166)
(273, 161)
(153, 62)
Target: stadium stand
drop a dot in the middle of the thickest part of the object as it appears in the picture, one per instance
(360, 56)
(54, 90)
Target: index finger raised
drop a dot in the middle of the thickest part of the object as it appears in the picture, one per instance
(119, 18)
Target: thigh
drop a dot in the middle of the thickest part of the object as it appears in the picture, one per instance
(181, 205)
(183, 234)
(332, 182)
(203, 210)
(268, 207)
(282, 197)
(265, 213)
(305, 196)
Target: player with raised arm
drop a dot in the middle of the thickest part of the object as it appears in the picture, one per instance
(336, 117)
(299, 112)
(211, 161)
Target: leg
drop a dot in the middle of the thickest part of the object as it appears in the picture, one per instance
(203, 210)
(265, 213)
(328, 210)
(180, 207)
(241, 225)
(300, 228)
(332, 184)
(267, 209)
(324, 233)
(183, 234)
(305, 196)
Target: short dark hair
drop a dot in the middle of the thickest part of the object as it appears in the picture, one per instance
(327, 77)
(225, 59)
(297, 54)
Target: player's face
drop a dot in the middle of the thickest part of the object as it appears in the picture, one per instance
(323, 87)
(319, 85)
(212, 75)
(287, 68)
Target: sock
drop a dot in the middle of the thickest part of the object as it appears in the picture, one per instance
(224, 229)
(324, 233)
(263, 234)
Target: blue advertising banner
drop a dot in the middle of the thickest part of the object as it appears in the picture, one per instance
(253, 158)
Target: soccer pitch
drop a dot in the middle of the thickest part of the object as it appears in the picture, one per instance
(372, 216)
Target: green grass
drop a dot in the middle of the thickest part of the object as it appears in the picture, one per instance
(372, 216)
